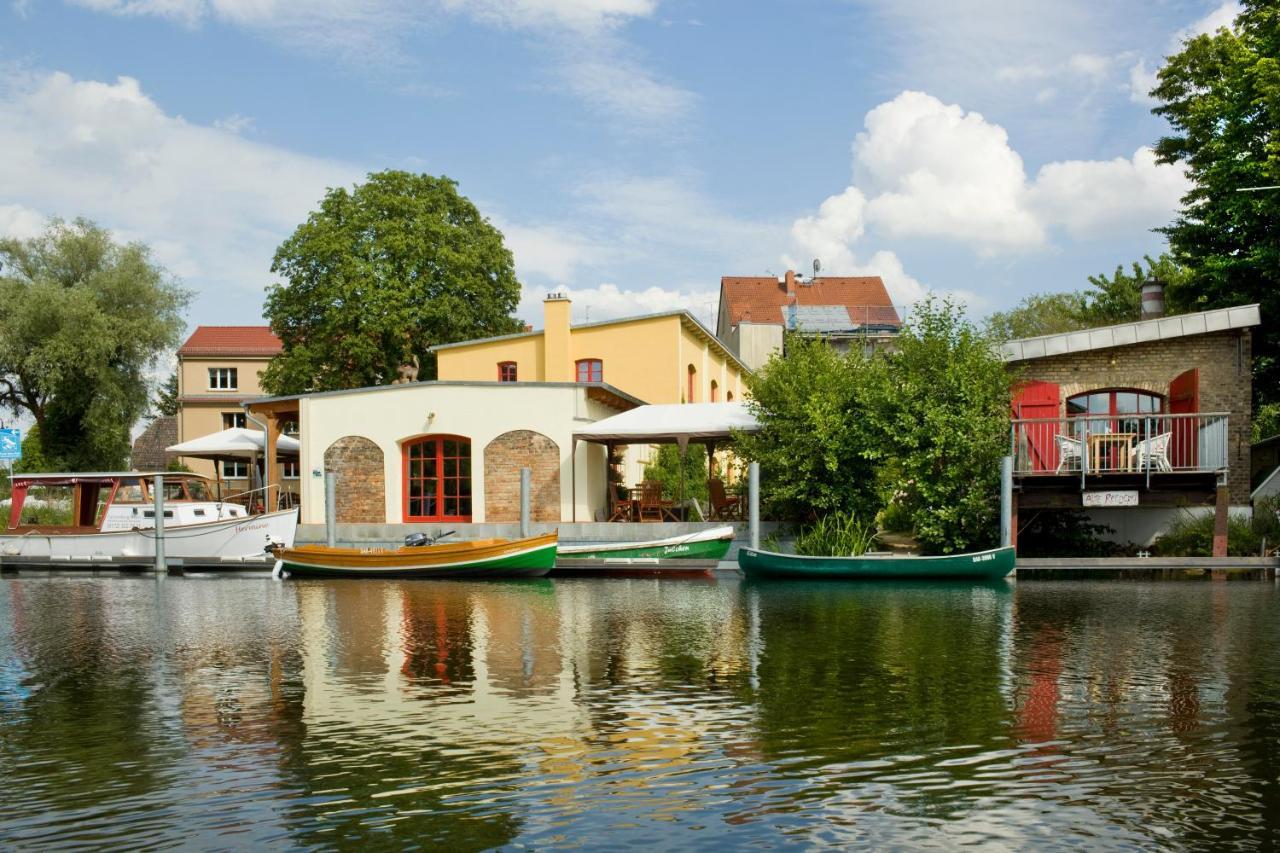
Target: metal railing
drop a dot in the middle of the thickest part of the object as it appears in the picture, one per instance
(1119, 444)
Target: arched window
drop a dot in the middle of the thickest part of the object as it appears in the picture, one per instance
(437, 478)
(714, 388)
(1128, 414)
(692, 396)
(590, 370)
(506, 371)
(728, 397)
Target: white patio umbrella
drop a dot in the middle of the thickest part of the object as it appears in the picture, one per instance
(233, 445)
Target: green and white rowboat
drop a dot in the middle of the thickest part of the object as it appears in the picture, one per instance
(979, 565)
(703, 545)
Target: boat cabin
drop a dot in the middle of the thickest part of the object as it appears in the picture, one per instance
(105, 502)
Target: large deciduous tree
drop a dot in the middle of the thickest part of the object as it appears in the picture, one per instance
(82, 319)
(380, 273)
(1221, 95)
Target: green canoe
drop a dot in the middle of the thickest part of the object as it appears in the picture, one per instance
(983, 565)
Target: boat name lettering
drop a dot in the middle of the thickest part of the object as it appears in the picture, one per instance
(675, 549)
(253, 525)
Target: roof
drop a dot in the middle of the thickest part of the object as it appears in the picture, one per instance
(690, 321)
(601, 391)
(148, 449)
(666, 423)
(234, 443)
(1127, 334)
(257, 341)
(762, 299)
(69, 477)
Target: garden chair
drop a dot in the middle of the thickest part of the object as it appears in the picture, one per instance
(620, 508)
(1155, 449)
(651, 503)
(723, 505)
(1069, 450)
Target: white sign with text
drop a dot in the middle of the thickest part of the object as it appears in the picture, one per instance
(1127, 497)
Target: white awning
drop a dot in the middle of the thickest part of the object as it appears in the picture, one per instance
(671, 423)
(234, 443)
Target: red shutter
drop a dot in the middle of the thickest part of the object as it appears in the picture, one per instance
(1184, 399)
(1036, 399)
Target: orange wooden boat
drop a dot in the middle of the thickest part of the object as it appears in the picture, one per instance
(477, 558)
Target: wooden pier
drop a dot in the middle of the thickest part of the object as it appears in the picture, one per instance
(100, 565)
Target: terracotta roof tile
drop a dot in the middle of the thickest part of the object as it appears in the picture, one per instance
(755, 299)
(231, 340)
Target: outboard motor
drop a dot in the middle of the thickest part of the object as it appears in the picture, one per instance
(418, 540)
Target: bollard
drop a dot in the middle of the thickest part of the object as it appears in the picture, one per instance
(331, 508)
(1006, 501)
(753, 503)
(526, 492)
(158, 499)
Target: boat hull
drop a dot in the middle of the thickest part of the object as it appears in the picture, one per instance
(704, 545)
(521, 558)
(982, 565)
(227, 539)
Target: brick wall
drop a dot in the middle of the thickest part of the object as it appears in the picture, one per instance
(360, 493)
(1223, 358)
(503, 459)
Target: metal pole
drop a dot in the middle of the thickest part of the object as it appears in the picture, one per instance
(158, 501)
(331, 508)
(1006, 502)
(753, 503)
(526, 493)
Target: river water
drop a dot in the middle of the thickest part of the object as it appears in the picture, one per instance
(233, 713)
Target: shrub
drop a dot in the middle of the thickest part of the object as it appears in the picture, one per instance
(836, 535)
(1192, 535)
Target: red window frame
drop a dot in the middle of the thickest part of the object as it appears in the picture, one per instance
(507, 371)
(589, 369)
(440, 466)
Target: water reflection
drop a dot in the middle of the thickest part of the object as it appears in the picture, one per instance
(646, 712)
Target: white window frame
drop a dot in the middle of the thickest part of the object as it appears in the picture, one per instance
(235, 416)
(286, 466)
(239, 471)
(224, 379)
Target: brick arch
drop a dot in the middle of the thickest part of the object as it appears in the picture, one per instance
(1070, 389)
(503, 459)
(360, 493)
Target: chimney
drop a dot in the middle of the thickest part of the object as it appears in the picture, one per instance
(557, 363)
(791, 286)
(1152, 299)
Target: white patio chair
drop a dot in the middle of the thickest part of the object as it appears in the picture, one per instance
(1156, 449)
(1068, 449)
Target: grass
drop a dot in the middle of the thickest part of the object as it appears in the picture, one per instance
(836, 535)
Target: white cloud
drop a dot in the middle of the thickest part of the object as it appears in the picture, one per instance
(1223, 16)
(582, 15)
(623, 90)
(212, 205)
(608, 302)
(1090, 65)
(1141, 82)
(547, 252)
(20, 222)
(1094, 198)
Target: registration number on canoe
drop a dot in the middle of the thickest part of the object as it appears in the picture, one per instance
(982, 558)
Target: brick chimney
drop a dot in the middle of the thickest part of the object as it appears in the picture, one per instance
(791, 286)
(1152, 299)
(557, 365)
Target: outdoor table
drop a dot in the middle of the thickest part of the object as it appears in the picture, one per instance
(1109, 451)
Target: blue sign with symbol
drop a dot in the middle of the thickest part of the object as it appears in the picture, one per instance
(10, 444)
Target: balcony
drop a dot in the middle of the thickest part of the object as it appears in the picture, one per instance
(1133, 448)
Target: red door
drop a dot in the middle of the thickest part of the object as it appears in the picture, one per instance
(1184, 399)
(1036, 444)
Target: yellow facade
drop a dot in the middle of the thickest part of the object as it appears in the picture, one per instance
(648, 357)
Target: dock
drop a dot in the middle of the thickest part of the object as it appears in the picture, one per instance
(99, 564)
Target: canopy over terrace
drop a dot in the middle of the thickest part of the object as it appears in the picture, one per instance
(233, 445)
(673, 423)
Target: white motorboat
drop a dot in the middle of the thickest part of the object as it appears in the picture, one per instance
(111, 516)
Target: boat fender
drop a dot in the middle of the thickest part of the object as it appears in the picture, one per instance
(277, 573)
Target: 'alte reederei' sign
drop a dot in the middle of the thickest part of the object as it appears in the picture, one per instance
(1126, 497)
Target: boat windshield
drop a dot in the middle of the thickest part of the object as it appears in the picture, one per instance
(129, 491)
(198, 490)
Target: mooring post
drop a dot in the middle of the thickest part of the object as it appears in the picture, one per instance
(331, 509)
(158, 501)
(1006, 501)
(753, 503)
(1220, 524)
(526, 494)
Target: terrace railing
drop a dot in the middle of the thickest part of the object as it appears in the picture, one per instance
(1120, 444)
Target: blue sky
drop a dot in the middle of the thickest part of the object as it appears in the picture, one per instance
(633, 151)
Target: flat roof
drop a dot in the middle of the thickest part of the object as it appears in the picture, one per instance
(104, 475)
(604, 387)
(1128, 334)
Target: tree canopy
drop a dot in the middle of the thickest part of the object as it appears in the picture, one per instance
(82, 319)
(1221, 97)
(380, 273)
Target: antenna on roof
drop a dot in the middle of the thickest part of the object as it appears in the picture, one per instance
(817, 265)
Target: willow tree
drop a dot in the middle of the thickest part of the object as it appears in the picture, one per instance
(83, 320)
(380, 273)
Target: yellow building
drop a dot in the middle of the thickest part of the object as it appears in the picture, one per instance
(659, 358)
(219, 367)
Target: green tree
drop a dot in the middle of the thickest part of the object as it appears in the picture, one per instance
(82, 318)
(815, 442)
(1038, 314)
(166, 400)
(940, 411)
(380, 273)
(1221, 97)
(665, 468)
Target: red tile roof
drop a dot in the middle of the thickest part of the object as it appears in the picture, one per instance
(755, 299)
(231, 340)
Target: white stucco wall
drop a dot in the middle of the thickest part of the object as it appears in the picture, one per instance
(390, 416)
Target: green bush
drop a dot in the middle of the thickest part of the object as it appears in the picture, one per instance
(1192, 535)
(664, 467)
(836, 535)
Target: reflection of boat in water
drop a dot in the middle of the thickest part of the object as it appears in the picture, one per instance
(477, 558)
(691, 554)
(87, 516)
(981, 565)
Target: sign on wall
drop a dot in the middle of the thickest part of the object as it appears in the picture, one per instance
(1127, 497)
(10, 444)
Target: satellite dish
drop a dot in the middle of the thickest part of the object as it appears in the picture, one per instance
(817, 265)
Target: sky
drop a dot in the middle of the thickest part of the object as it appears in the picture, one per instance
(631, 151)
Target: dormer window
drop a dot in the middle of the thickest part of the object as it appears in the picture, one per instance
(223, 379)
